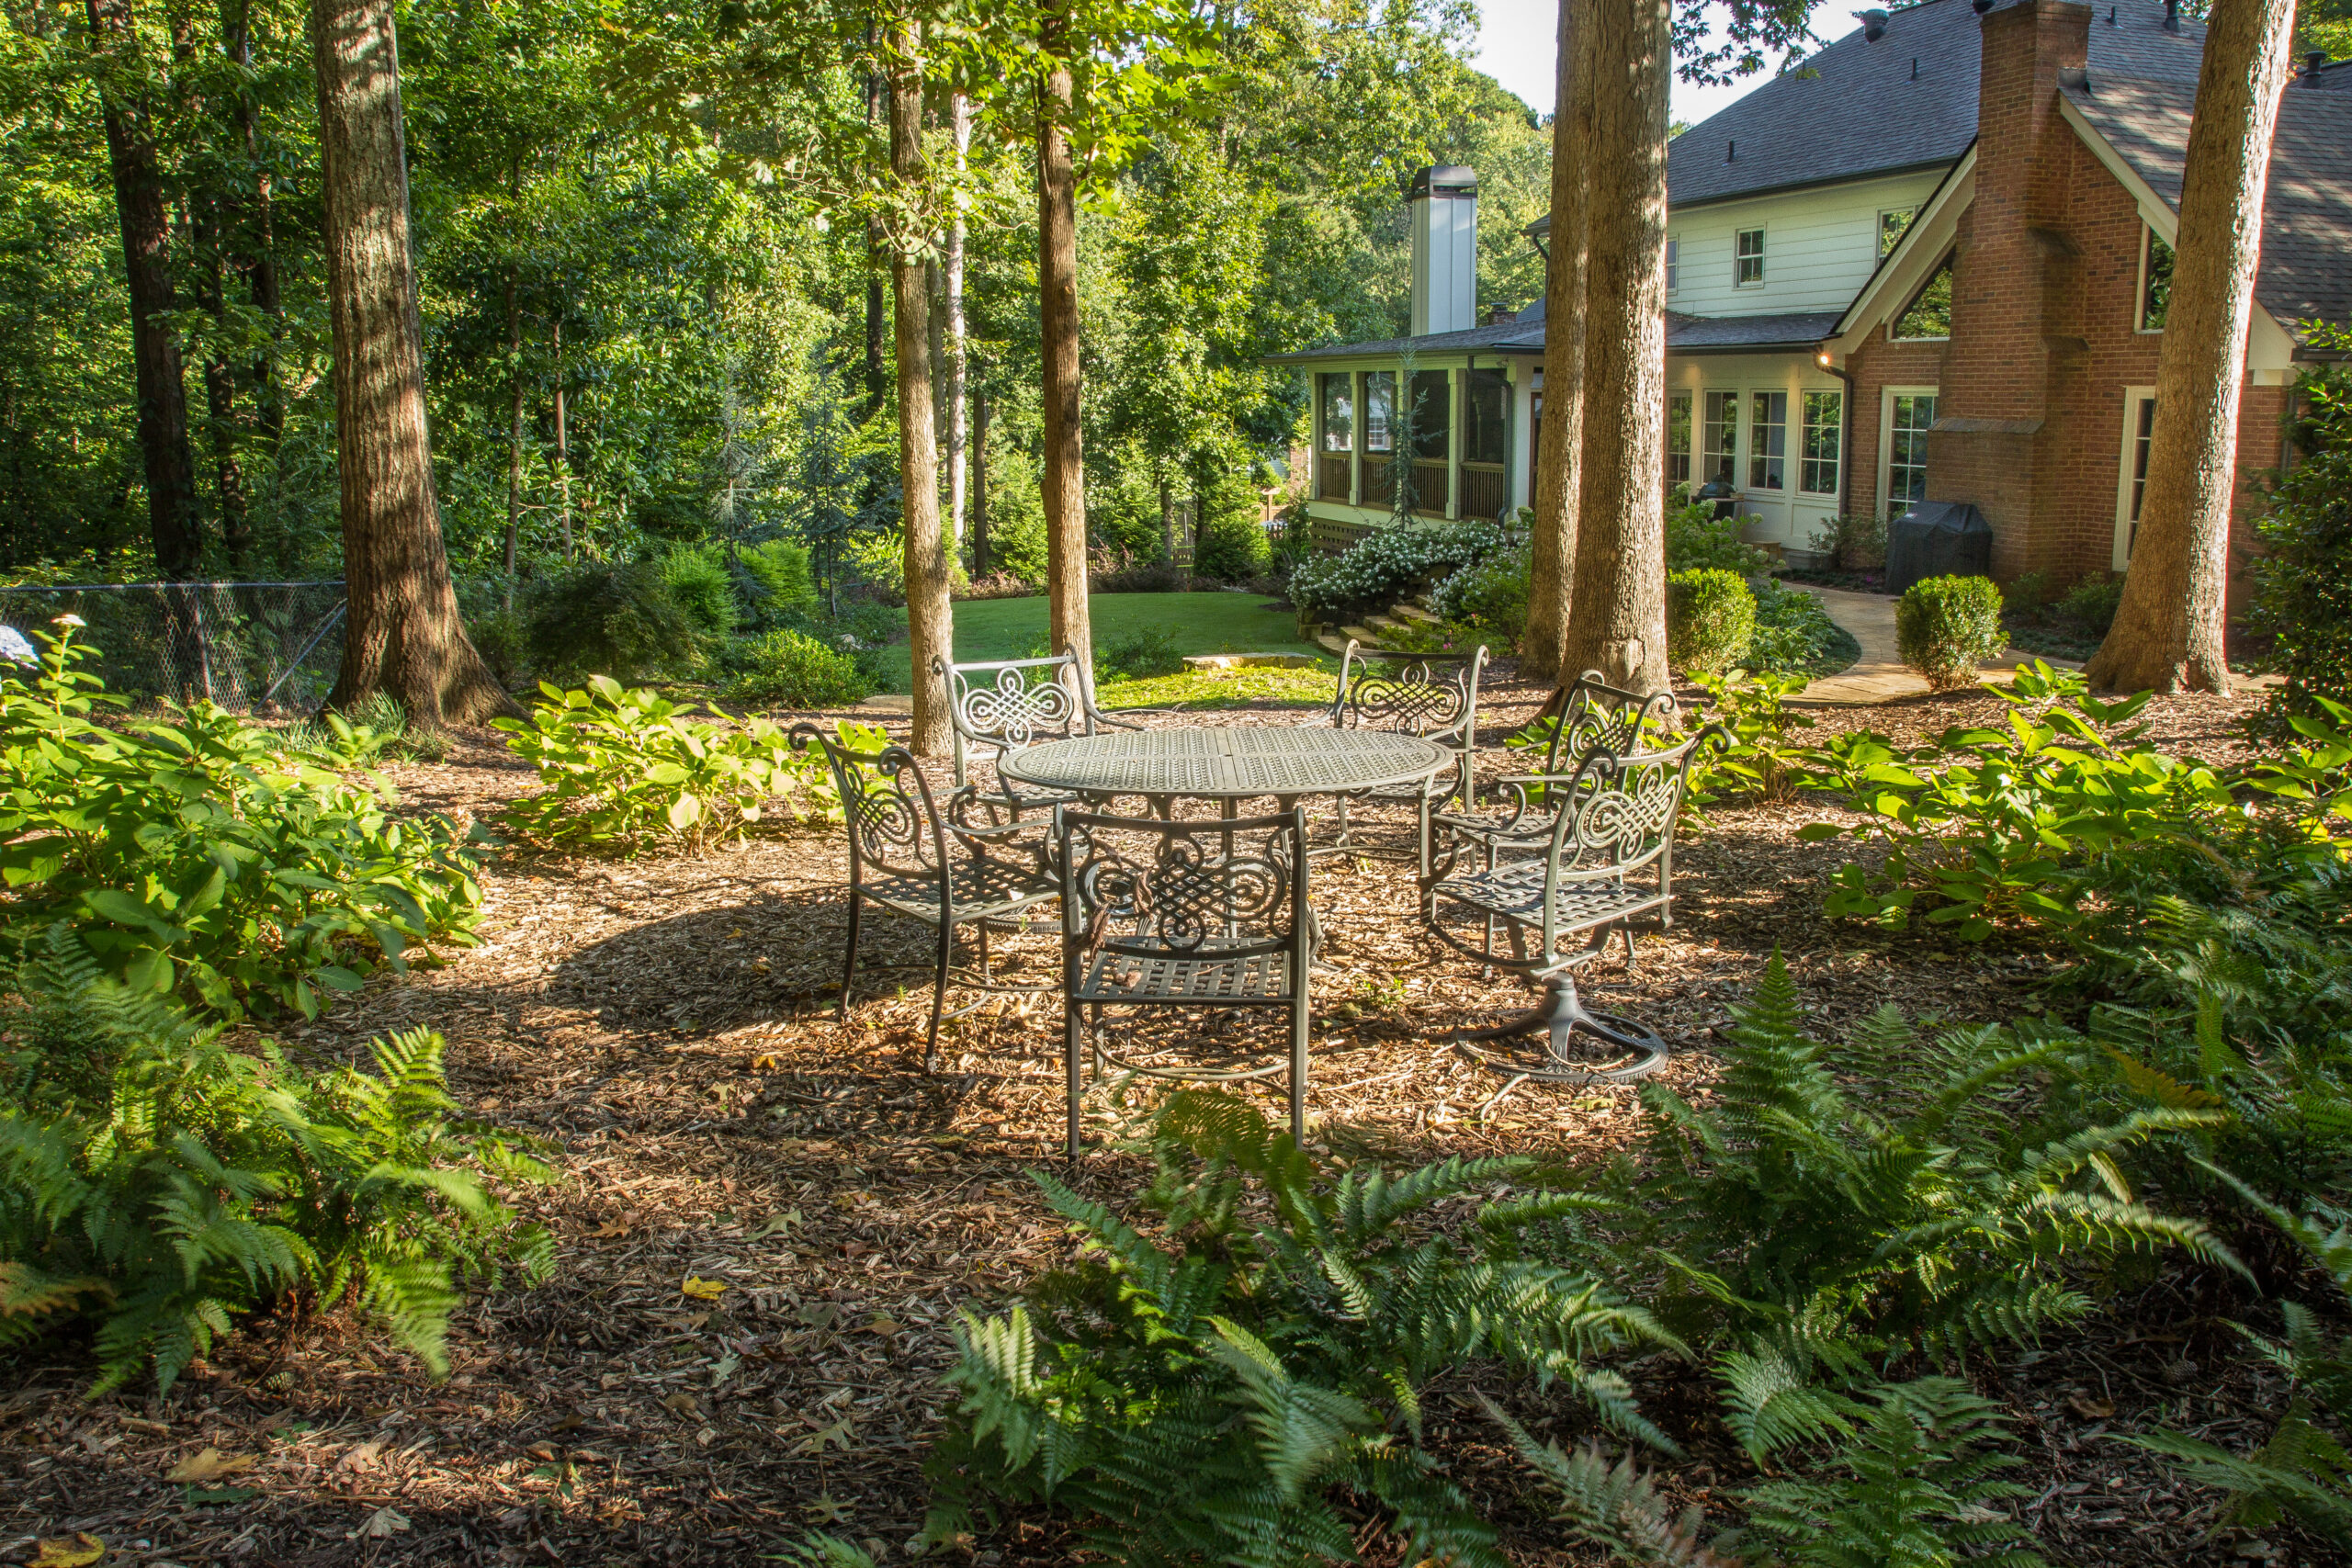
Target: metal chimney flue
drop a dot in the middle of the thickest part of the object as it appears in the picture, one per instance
(2172, 16)
(1441, 208)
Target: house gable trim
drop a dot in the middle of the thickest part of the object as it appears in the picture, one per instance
(1914, 260)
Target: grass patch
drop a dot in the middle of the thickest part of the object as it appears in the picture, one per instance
(1209, 689)
(1200, 623)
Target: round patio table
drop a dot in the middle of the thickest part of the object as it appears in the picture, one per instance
(1227, 765)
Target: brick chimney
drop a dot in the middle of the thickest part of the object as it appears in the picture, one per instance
(2013, 275)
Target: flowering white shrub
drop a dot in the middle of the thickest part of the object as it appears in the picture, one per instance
(1384, 565)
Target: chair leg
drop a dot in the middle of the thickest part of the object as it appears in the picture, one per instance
(938, 996)
(985, 976)
(1298, 1033)
(848, 964)
(1073, 1077)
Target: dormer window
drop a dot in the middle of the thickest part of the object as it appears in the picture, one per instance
(2156, 281)
(1891, 225)
(1748, 259)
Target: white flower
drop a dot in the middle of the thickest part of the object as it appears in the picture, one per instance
(68, 619)
(15, 648)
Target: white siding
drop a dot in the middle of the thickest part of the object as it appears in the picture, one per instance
(1787, 516)
(1819, 247)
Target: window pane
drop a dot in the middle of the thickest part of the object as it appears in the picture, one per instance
(1722, 435)
(1928, 317)
(1906, 451)
(1673, 255)
(1768, 440)
(2157, 296)
(1485, 413)
(1677, 438)
(2144, 431)
(1891, 226)
(1339, 413)
(1824, 434)
(1432, 415)
(1749, 259)
(1380, 412)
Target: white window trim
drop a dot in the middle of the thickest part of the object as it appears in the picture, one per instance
(1699, 452)
(1796, 423)
(1763, 257)
(1674, 264)
(1790, 405)
(2133, 397)
(1886, 435)
(2140, 290)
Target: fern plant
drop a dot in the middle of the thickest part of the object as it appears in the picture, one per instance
(163, 1184)
(1202, 1397)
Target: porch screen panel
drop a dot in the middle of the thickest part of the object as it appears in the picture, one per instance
(1721, 434)
(1432, 427)
(1379, 437)
(1906, 450)
(1817, 456)
(1338, 436)
(1485, 443)
(1768, 440)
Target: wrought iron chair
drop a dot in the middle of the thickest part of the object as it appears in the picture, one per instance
(906, 855)
(1607, 858)
(1183, 914)
(1433, 695)
(1009, 704)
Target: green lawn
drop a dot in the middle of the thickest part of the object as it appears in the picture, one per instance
(1201, 623)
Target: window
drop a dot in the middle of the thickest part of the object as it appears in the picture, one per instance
(1485, 412)
(1673, 257)
(1433, 417)
(1748, 259)
(1380, 412)
(2138, 436)
(1824, 421)
(1339, 413)
(1891, 226)
(2155, 280)
(1677, 438)
(1768, 440)
(1721, 435)
(1927, 319)
(1909, 416)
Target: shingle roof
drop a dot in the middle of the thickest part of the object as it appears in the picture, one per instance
(1522, 334)
(1802, 328)
(2307, 211)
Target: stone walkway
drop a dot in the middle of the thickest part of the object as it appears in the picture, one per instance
(1879, 675)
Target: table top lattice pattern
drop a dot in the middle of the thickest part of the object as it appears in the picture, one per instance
(1227, 762)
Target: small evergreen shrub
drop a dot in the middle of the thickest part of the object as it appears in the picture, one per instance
(1710, 620)
(611, 618)
(780, 579)
(157, 1184)
(697, 578)
(2303, 576)
(1141, 655)
(1946, 627)
(792, 670)
(1231, 547)
(2030, 591)
(2094, 601)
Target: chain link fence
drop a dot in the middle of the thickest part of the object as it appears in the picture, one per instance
(251, 646)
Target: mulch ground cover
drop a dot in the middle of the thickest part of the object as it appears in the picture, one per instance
(666, 1027)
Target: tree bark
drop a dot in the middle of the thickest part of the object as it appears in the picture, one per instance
(2168, 630)
(1552, 544)
(952, 264)
(929, 625)
(1617, 620)
(158, 375)
(514, 433)
(980, 565)
(402, 631)
(1064, 484)
(562, 437)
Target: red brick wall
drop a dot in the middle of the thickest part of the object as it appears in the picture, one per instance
(1878, 365)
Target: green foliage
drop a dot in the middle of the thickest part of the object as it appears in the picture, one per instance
(2303, 575)
(1854, 542)
(779, 578)
(159, 1184)
(1231, 546)
(346, 743)
(190, 855)
(697, 578)
(1795, 636)
(1144, 654)
(1696, 540)
(1488, 597)
(1206, 1396)
(1946, 627)
(2094, 601)
(617, 619)
(1613, 1508)
(627, 769)
(1710, 619)
(790, 668)
(1758, 721)
(1388, 564)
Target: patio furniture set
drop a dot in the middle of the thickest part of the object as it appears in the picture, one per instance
(1160, 910)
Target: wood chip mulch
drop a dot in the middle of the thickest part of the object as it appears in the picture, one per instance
(666, 1026)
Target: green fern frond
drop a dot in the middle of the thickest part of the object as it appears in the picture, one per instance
(1615, 1508)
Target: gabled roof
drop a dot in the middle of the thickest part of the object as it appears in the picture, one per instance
(2307, 209)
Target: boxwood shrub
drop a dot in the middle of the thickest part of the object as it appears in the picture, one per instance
(1710, 620)
(1946, 627)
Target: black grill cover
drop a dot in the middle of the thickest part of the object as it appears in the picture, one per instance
(1938, 538)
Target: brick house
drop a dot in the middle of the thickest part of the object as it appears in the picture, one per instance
(1929, 265)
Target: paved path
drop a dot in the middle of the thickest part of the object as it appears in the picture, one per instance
(1879, 675)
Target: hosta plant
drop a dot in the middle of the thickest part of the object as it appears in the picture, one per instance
(1205, 1392)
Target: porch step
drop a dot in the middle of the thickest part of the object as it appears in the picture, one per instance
(1333, 643)
(1364, 635)
(1382, 624)
(1413, 615)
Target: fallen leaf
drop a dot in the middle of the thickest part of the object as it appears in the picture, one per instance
(776, 1224)
(884, 1325)
(609, 1229)
(68, 1551)
(2090, 1409)
(214, 1496)
(703, 1290)
(682, 1402)
(210, 1464)
(767, 1062)
(384, 1523)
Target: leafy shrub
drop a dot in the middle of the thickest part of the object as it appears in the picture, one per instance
(1696, 540)
(793, 670)
(626, 769)
(1710, 619)
(2094, 601)
(1854, 542)
(697, 578)
(2302, 577)
(502, 637)
(780, 579)
(615, 619)
(190, 855)
(2030, 591)
(1231, 546)
(996, 585)
(1488, 597)
(378, 725)
(1117, 572)
(163, 1183)
(1385, 566)
(1757, 719)
(1946, 627)
(1140, 655)
(1205, 1398)
(1795, 636)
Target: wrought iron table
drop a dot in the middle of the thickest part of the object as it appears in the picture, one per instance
(1227, 765)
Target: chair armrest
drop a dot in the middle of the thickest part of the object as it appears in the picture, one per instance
(1101, 717)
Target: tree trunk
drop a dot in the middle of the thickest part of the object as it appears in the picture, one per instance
(514, 433)
(1617, 622)
(402, 632)
(1065, 470)
(877, 325)
(562, 439)
(1552, 544)
(2169, 628)
(930, 624)
(223, 424)
(158, 375)
(979, 485)
(256, 257)
(960, 128)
